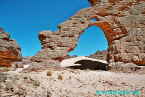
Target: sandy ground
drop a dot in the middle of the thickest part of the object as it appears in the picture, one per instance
(70, 83)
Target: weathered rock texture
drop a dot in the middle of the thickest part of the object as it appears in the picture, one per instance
(9, 50)
(123, 22)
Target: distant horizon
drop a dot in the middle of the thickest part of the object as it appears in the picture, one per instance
(26, 18)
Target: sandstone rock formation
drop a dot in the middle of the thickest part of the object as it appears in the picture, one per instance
(9, 50)
(123, 22)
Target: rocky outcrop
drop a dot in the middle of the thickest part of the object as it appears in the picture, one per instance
(123, 22)
(9, 50)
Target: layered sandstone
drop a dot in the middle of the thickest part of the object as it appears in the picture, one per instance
(9, 50)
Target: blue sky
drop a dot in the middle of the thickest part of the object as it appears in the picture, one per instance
(24, 19)
(90, 41)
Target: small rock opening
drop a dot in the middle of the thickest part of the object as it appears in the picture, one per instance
(85, 63)
(90, 65)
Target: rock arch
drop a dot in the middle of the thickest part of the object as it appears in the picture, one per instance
(122, 21)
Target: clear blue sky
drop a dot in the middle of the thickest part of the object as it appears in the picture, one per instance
(24, 19)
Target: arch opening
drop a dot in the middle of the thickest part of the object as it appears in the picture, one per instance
(92, 40)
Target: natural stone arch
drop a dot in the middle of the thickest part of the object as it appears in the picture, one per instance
(120, 23)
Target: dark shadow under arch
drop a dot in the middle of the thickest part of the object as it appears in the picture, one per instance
(91, 65)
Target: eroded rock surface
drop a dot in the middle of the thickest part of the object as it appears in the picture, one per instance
(9, 50)
(123, 22)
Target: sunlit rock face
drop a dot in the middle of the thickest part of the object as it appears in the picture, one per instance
(123, 22)
(9, 50)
